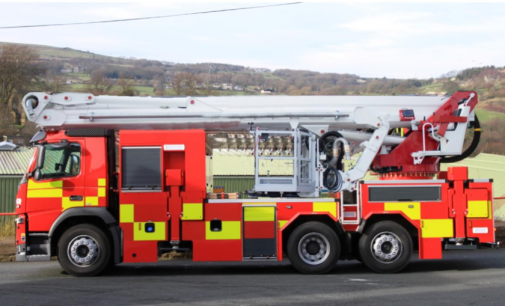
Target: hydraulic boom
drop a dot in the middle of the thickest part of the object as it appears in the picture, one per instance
(435, 126)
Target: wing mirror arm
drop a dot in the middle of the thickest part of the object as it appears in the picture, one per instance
(40, 162)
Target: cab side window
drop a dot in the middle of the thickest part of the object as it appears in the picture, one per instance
(61, 161)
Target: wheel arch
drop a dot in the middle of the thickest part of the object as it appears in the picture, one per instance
(304, 218)
(397, 218)
(99, 217)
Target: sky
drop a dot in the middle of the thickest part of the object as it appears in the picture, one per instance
(393, 40)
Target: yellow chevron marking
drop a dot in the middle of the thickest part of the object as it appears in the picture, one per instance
(330, 207)
(126, 213)
(45, 193)
(410, 209)
(102, 182)
(91, 201)
(44, 185)
(478, 209)
(259, 213)
(230, 230)
(192, 211)
(437, 228)
(66, 203)
(140, 234)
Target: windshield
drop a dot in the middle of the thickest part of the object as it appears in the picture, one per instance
(61, 161)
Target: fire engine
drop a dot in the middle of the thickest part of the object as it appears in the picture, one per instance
(123, 180)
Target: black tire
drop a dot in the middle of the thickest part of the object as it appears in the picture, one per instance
(385, 247)
(84, 242)
(325, 248)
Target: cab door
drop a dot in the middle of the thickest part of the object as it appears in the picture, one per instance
(60, 185)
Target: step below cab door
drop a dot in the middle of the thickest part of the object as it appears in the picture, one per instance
(260, 234)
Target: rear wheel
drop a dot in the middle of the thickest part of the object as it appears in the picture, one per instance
(84, 250)
(313, 248)
(385, 247)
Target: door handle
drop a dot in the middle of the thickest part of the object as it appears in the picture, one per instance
(75, 198)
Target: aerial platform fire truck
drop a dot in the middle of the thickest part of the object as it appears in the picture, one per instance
(123, 180)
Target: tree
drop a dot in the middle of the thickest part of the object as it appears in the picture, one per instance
(99, 84)
(184, 84)
(126, 86)
(159, 85)
(19, 67)
(56, 82)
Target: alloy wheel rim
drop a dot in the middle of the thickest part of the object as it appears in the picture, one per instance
(386, 247)
(83, 251)
(314, 248)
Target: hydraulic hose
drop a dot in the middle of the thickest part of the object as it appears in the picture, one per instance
(341, 148)
(471, 148)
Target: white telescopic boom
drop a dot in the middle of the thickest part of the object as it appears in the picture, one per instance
(315, 113)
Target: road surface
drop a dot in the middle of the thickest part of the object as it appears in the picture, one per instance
(463, 277)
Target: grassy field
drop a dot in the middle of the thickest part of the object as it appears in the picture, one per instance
(235, 93)
(48, 52)
(435, 87)
(7, 228)
(270, 76)
(487, 115)
(82, 76)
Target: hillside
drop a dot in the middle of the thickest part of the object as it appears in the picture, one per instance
(55, 53)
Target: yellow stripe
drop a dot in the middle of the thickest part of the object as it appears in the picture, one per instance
(410, 209)
(437, 228)
(101, 192)
(330, 207)
(102, 182)
(140, 234)
(477, 130)
(125, 213)
(45, 185)
(259, 213)
(66, 203)
(230, 230)
(192, 211)
(45, 193)
(478, 209)
(282, 222)
(91, 201)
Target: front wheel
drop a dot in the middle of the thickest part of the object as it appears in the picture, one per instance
(84, 250)
(385, 247)
(313, 248)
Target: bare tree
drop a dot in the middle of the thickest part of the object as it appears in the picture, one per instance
(99, 83)
(19, 67)
(185, 84)
(56, 82)
(177, 83)
(159, 85)
(126, 85)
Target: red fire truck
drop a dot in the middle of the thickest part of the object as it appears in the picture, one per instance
(123, 180)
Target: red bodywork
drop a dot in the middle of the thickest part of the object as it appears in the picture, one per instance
(400, 156)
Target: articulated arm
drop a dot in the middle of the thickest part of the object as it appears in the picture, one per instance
(370, 150)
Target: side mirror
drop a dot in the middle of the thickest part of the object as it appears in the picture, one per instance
(41, 157)
(37, 175)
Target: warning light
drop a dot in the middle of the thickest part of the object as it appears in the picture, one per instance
(149, 228)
